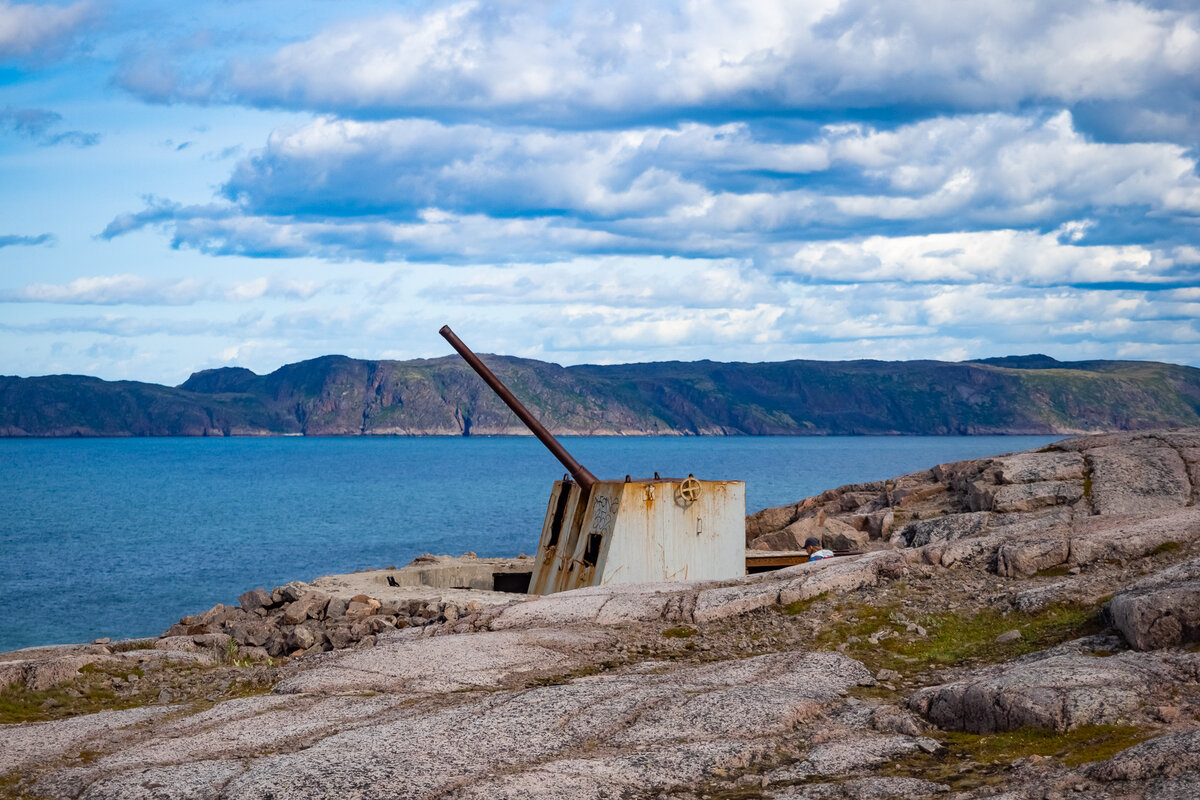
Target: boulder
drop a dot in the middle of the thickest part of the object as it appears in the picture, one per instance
(879, 524)
(289, 593)
(362, 606)
(12, 672)
(1138, 479)
(1166, 756)
(840, 536)
(218, 642)
(840, 575)
(253, 634)
(301, 638)
(1107, 538)
(833, 533)
(1038, 467)
(216, 616)
(255, 598)
(769, 520)
(340, 638)
(1059, 692)
(730, 601)
(1024, 558)
(310, 605)
(1020, 497)
(944, 529)
(1162, 610)
(852, 501)
(45, 674)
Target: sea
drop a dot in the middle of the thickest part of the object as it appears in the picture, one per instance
(122, 537)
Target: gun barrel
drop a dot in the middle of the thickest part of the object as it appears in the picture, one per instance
(581, 474)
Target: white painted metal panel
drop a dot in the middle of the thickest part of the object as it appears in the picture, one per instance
(643, 531)
(661, 536)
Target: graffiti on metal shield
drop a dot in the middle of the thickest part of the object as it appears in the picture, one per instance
(604, 511)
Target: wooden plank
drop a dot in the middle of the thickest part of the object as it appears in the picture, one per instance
(785, 558)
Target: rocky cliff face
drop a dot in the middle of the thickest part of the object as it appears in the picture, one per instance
(1019, 627)
(339, 396)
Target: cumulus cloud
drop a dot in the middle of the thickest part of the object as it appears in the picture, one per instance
(42, 126)
(38, 32)
(994, 257)
(560, 65)
(606, 181)
(424, 191)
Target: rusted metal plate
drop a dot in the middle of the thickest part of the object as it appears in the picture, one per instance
(641, 531)
(560, 534)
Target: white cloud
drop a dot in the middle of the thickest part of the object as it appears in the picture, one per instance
(28, 30)
(1001, 257)
(536, 61)
(420, 190)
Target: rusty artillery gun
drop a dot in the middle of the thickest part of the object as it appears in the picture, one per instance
(599, 532)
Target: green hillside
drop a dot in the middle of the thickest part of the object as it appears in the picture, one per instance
(340, 396)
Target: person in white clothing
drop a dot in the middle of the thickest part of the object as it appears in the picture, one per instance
(812, 546)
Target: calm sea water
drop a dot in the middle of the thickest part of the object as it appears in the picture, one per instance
(122, 537)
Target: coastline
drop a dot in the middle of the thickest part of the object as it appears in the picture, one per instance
(1028, 583)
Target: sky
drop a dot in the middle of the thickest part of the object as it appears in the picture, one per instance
(256, 182)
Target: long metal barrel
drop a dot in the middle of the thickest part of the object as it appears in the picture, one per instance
(578, 471)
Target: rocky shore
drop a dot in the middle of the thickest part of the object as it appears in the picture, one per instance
(1018, 627)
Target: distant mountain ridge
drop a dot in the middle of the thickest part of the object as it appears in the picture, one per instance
(341, 396)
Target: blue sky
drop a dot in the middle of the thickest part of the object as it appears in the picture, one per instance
(257, 182)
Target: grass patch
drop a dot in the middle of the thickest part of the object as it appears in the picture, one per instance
(19, 704)
(876, 692)
(1079, 746)
(97, 689)
(951, 638)
(973, 760)
(799, 607)
(566, 677)
(1166, 547)
(10, 788)
(1087, 485)
(682, 632)
(1060, 571)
